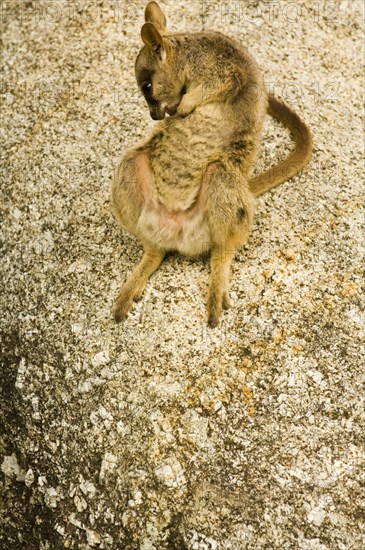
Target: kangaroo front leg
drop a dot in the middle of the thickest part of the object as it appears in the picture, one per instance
(218, 297)
(200, 94)
(135, 285)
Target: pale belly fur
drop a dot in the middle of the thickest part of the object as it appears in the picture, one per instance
(186, 232)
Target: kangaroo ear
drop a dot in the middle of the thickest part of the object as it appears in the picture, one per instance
(151, 37)
(153, 14)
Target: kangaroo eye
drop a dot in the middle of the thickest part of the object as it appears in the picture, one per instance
(147, 88)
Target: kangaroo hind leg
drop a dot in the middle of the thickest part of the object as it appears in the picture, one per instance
(133, 288)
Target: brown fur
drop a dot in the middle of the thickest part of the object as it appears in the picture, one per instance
(188, 188)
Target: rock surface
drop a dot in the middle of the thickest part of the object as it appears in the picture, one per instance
(160, 433)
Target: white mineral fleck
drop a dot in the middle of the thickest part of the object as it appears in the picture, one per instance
(60, 529)
(171, 473)
(147, 544)
(123, 429)
(88, 488)
(317, 376)
(22, 369)
(76, 328)
(195, 427)
(44, 245)
(136, 500)
(76, 522)
(312, 544)
(316, 516)
(80, 503)
(100, 358)
(42, 481)
(10, 468)
(35, 404)
(29, 477)
(16, 213)
(108, 464)
(51, 497)
(85, 387)
(104, 413)
(93, 538)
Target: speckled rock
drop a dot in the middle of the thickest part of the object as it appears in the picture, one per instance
(161, 433)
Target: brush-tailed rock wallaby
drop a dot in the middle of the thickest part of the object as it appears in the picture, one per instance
(188, 188)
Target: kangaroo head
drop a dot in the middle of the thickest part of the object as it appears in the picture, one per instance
(157, 74)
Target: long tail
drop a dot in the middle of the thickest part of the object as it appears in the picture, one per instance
(296, 160)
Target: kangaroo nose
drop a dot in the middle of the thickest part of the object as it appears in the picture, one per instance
(157, 115)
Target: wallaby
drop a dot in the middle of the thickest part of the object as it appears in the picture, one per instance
(188, 188)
